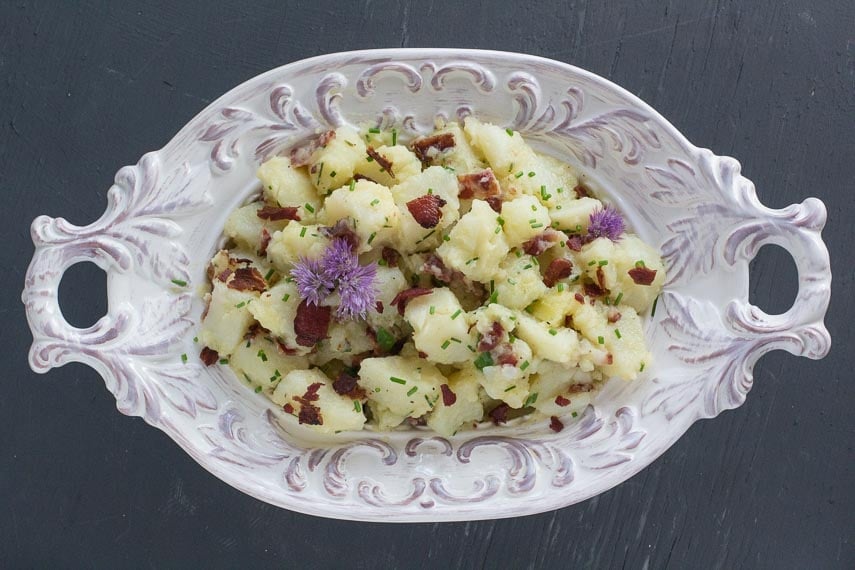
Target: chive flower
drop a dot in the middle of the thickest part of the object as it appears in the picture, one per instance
(313, 284)
(606, 222)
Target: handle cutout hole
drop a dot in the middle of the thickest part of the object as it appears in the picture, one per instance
(83, 294)
(773, 280)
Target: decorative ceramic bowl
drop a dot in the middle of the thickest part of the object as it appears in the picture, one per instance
(164, 221)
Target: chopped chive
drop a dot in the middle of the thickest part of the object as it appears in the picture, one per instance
(510, 132)
(532, 398)
(653, 310)
(617, 333)
(603, 262)
(397, 380)
(500, 220)
(510, 168)
(303, 231)
(268, 275)
(412, 390)
(357, 406)
(430, 191)
(529, 266)
(456, 314)
(184, 358)
(309, 207)
(285, 297)
(377, 389)
(560, 190)
(524, 365)
(348, 143)
(509, 388)
(446, 344)
(553, 332)
(369, 159)
(473, 260)
(639, 263)
(321, 171)
(179, 282)
(531, 174)
(371, 237)
(332, 174)
(262, 355)
(224, 361)
(494, 297)
(446, 238)
(498, 229)
(257, 389)
(432, 309)
(642, 368)
(535, 226)
(427, 235)
(574, 414)
(240, 305)
(592, 262)
(518, 253)
(352, 185)
(455, 339)
(518, 174)
(601, 340)
(394, 137)
(511, 338)
(484, 360)
(375, 201)
(195, 339)
(618, 298)
(385, 339)
(560, 287)
(374, 130)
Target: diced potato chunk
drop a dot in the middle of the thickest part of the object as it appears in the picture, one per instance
(441, 327)
(553, 306)
(276, 310)
(553, 380)
(293, 242)
(388, 283)
(623, 340)
(259, 362)
(289, 187)
(334, 165)
(524, 218)
(405, 386)
(558, 344)
(405, 164)
(337, 413)
(245, 227)
(438, 182)
(346, 340)
(474, 247)
(522, 283)
(573, 214)
(372, 209)
(227, 320)
(467, 407)
(462, 158)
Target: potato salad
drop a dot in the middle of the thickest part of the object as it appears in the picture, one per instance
(446, 280)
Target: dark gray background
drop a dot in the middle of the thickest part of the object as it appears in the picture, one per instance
(89, 86)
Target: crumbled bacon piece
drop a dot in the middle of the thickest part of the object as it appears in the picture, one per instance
(311, 394)
(247, 279)
(427, 148)
(346, 385)
(225, 274)
(284, 348)
(495, 203)
(579, 297)
(478, 185)
(390, 256)
(558, 269)
(276, 213)
(435, 266)
(311, 323)
(302, 155)
(363, 177)
(378, 306)
(342, 229)
(507, 357)
(614, 316)
(310, 415)
(209, 356)
(555, 424)
(499, 414)
(426, 210)
(540, 243)
(610, 358)
(581, 191)
(289, 408)
(254, 330)
(642, 275)
(265, 241)
(601, 278)
(422, 354)
(592, 290)
(568, 319)
(404, 297)
(492, 339)
(575, 242)
(448, 397)
(578, 388)
(561, 401)
(384, 162)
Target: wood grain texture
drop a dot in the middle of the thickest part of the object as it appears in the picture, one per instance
(89, 86)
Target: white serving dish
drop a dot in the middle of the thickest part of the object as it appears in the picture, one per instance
(164, 220)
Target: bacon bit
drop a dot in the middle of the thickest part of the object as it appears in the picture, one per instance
(422, 354)
(422, 147)
(289, 409)
(358, 177)
(478, 185)
(416, 422)
(247, 279)
(209, 356)
(579, 388)
(614, 316)
(285, 349)
(540, 243)
(311, 323)
(426, 210)
(642, 275)
(276, 213)
(342, 229)
(579, 297)
(390, 256)
(558, 269)
(492, 339)
(555, 424)
(265, 241)
(601, 278)
(575, 243)
(610, 359)
(311, 394)
(346, 385)
(384, 162)
(561, 401)
(378, 306)
(225, 274)
(254, 330)
(499, 414)
(243, 260)
(448, 397)
(592, 290)
(310, 415)
(404, 297)
(495, 203)
(568, 319)
(435, 266)
(507, 357)
(302, 155)
(581, 191)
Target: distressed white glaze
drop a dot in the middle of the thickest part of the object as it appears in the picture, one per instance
(164, 219)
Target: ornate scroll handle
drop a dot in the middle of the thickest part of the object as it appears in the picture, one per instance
(796, 228)
(55, 341)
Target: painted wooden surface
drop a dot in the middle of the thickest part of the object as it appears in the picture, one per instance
(89, 86)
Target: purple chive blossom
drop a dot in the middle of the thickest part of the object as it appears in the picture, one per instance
(339, 260)
(313, 284)
(606, 223)
(357, 293)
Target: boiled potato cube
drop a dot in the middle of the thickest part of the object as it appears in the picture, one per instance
(335, 164)
(227, 320)
(405, 386)
(522, 283)
(372, 209)
(553, 380)
(276, 310)
(405, 164)
(289, 187)
(558, 344)
(260, 362)
(467, 407)
(622, 340)
(293, 242)
(245, 227)
(441, 327)
(553, 306)
(389, 281)
(337, 413)
(383, 417)
(571, 213)
(524, 218)
(461, 158)
(436, 181)
(345, 340)
(474, 247)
